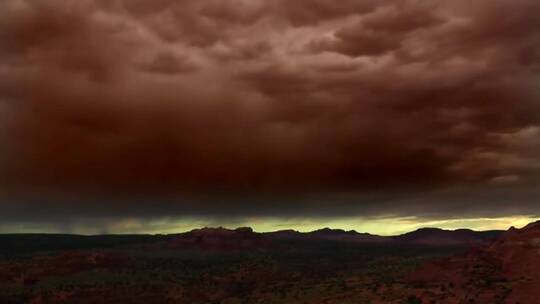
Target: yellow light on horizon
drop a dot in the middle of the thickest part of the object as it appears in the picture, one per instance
(379, 226)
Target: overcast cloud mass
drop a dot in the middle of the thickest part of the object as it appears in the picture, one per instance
(246, 108)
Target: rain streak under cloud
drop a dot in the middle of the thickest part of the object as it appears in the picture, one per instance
(138, 111)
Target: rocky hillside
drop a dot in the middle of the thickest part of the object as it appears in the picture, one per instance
(505, 271)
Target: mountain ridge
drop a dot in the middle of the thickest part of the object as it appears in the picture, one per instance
(242, 238)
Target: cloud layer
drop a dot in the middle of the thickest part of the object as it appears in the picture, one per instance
(268, 107)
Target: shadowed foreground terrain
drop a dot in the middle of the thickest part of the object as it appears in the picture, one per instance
(217, 265)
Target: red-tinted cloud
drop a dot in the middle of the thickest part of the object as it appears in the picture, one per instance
(264, 100)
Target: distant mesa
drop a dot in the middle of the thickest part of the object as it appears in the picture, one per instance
(219, 239)
(347, 236)
(436, 236)
(222, 239)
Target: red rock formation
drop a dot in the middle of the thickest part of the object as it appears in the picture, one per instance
(505, 271)
(219, 239)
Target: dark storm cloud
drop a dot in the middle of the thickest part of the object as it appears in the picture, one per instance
(382, 31)
(266, 107)
(167, 63)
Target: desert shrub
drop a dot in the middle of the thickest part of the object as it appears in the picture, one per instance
(412, 299)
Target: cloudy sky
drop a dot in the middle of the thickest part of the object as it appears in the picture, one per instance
(162, 115)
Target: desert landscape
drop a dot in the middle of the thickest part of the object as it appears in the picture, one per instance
(270, 151)
(217, 265)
